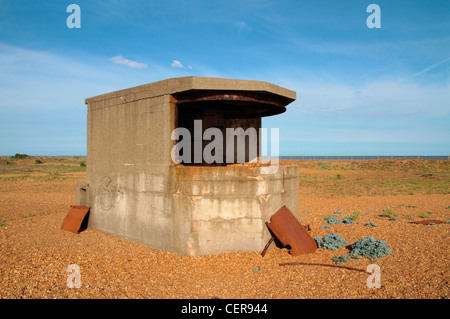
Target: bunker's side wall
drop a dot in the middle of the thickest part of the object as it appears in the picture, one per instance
(128, 165)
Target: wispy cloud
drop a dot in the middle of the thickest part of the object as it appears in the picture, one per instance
(132, 64)
(177, 64)
(429, 68)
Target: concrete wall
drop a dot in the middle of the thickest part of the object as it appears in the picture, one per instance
(128, 168)
(224, 209)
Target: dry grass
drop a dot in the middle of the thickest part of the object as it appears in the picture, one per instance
(42, 168)
(35, 252)
(376, 177)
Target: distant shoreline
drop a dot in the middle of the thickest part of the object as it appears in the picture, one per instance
(361, 157)
(304, 157)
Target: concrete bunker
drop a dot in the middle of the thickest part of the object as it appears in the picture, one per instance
(136, 187)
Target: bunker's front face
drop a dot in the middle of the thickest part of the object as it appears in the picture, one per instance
(185, 203)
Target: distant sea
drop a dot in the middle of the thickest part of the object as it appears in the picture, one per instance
(359, 157)
(314, 157)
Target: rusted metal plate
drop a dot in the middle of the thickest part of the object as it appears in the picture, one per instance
(234, 98)
(75, 217)
(290, 232)
(428, 221)
(234, 104)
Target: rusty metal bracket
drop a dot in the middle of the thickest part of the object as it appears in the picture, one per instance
(324, 265)
(288, 230)
(76, 219)
(267, 245)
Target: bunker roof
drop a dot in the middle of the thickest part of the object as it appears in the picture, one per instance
(195, 83)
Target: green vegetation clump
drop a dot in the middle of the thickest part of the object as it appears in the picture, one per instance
(341, 259)
(326, 165)
(332, 241)
(355, 216)
(388, 213)
(25, 215)
(20, 156)
(333, 220)
(370, 224)
(347, 220)
(425, 215)
(3, 221)
(369, 247)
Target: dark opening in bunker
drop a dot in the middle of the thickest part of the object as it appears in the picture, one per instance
(224, 126)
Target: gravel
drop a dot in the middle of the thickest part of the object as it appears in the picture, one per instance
(35, 254)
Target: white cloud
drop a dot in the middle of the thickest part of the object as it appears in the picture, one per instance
(132, 64)
(177, 64)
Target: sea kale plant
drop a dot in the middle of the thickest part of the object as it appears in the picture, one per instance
(370, 224)
(341, 259)
(347, 220)
(332, 241)
(333, 220)
(369, 247)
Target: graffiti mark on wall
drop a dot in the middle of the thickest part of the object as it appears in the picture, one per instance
(108, 193)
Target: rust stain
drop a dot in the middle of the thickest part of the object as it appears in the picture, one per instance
(74, 218)
(236, 97)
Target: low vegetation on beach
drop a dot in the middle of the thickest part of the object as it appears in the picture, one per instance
(22, 166)
(375, 177)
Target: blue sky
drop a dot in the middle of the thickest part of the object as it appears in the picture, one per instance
(360, 91)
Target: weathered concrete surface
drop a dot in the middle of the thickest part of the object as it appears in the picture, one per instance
(224, 209)
(136, 191)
